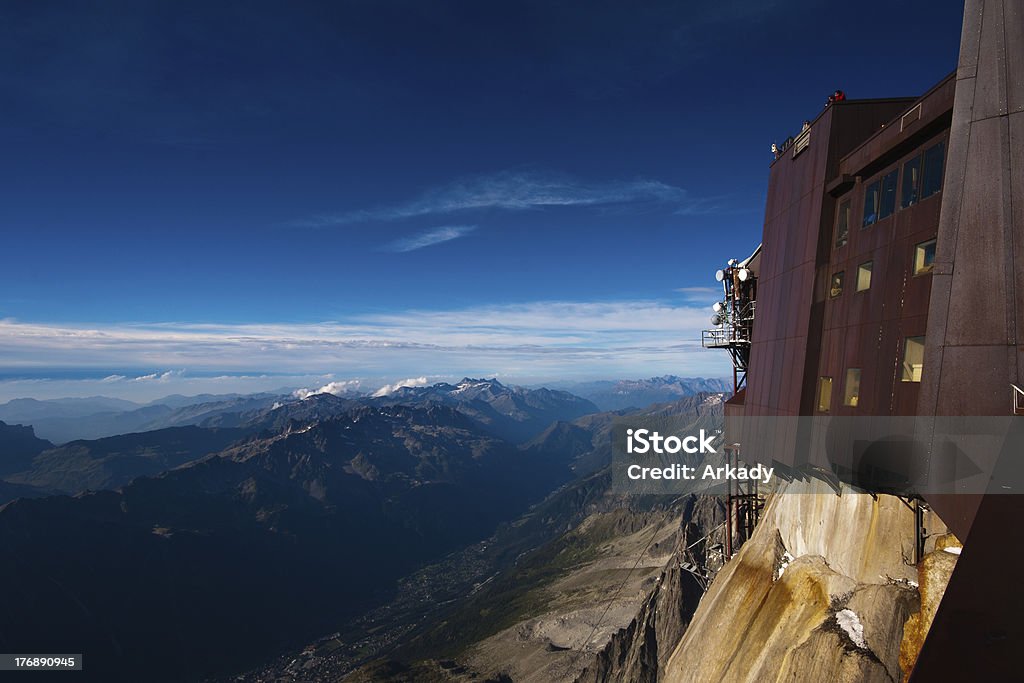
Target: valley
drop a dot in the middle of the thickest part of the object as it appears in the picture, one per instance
(339, 527)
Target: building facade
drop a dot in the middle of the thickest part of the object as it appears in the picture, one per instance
(890, 283)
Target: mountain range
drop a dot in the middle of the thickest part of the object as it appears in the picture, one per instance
(259, 546)
(509, 607)
(64, 420)
(514, 412)
(640, 393)
(509, 412)
(274, 520)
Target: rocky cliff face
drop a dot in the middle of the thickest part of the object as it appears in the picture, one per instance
(825, 589)
(821, 592)
(638, 653)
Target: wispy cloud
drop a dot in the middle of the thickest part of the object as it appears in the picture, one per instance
(430, 237)
(518, 191)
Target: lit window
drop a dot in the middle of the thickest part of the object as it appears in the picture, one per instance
(931, 182)
(871, 204)
(843, 224)
(864, 276)
(911, 182)
(824, 394)
(913, 359)
(888, 200)
(851, 391)
(837, 285)
(924, 257)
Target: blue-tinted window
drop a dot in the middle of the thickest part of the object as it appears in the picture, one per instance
(888, 201)
(911, 182)
(924, 257)
(871, 204)
(931, 182)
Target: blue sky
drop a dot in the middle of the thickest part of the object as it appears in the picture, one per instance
(381, 190)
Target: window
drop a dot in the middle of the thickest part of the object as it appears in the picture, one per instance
(911, 116)
(871, 204)
(924, 257)
(931, 182)
(837, 285)
(864, 276)
(824, 394)
(851, 390)
(911, 182)
(888, 200)
(843, 224)
(913, 359)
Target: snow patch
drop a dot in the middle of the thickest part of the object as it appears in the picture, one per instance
(850, 623)
(900, 582)
(953, 550)
(783, 563)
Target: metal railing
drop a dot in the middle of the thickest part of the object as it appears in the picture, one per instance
(735, 330)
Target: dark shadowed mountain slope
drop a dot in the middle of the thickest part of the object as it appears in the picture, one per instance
(263, 546)
(280, 414)
(64, 420)
(18, 445)
(9, 492)
(116, 460)
(29, 410)
(217, 411)
(61, 428)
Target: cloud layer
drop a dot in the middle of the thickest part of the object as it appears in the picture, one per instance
(335, 388)
(537, 340)
(392, 388)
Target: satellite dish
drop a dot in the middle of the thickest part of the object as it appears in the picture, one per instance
(716, 319)
(717, 307)
(744, 274)
(719, 275)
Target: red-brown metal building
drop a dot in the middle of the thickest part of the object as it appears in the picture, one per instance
(887, 285)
